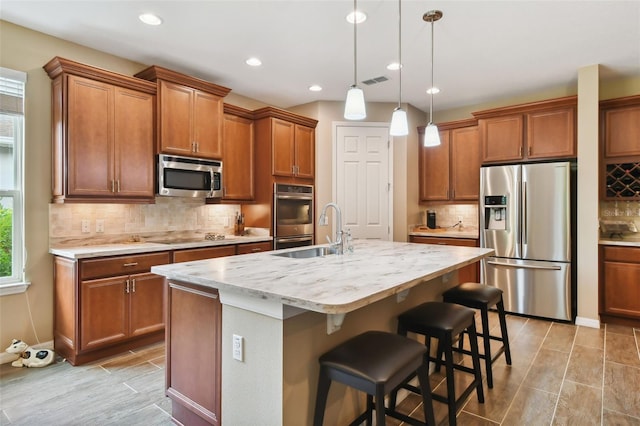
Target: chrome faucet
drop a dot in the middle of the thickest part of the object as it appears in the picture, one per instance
(338, 244)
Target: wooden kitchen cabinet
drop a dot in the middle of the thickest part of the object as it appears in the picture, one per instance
(620, 285)
(107, 305)
(238, 152)
(528, 132)
(188, 255)
(469, 273)
(254, 247)
(190, 113)
(292, 142)
(102, 135)
(451, 171)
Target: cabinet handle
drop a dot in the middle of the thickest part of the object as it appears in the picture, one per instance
(118, 185)
(453, 193)
(529, 150)
(255, 250)
(193, 146)
(520, 150)
(113, 186)
(126, 287)
(133, 285)
(130, 264)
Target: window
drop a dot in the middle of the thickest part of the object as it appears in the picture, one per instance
(12, 84)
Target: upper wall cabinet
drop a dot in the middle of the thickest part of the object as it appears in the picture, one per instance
(190, 113)
(239, 154)
(102, 134)
(529, 132)
(451, 171)
(620, 148)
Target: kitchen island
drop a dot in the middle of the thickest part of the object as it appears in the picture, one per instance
(287, 311)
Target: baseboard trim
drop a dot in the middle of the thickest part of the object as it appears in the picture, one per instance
(588, 322)
(6, 358)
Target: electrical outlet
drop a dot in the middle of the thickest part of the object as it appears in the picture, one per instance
(460, 219)
(238, 347)
(226, 221)
(99, 225)
(85, 226)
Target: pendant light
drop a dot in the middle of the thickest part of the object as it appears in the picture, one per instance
(431, 134)
(399, 126)
(354, 108)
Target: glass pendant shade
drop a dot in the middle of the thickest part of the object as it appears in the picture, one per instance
(399, 126)
(354, 108)
(431, 135)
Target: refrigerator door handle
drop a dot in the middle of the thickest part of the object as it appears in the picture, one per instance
(524, 213)
(511, 265)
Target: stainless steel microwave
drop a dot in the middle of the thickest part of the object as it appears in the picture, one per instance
(189, 177)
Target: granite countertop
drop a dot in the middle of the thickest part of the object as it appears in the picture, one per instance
(334, 284)
(628, 241)
(422, 231)
(99, 250)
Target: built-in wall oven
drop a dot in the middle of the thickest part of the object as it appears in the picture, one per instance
(293, 224)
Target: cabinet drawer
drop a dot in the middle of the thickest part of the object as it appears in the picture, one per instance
(254, 247)
(468, 242)
(203, 253)
(121, 265)
(622, 254)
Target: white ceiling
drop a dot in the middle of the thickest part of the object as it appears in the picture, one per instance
(484, 50)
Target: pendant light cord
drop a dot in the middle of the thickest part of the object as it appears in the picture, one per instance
(355, 44)
(431, 107)
(400, 52)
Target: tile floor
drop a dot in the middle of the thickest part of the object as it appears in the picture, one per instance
(561, 375)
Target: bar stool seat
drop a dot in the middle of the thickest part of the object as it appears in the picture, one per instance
(444, 321)
(376, 363)
(483, 297)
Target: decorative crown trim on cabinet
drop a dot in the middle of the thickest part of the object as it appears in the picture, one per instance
(155, 72)
(58, 65)
(271, 112)
(567, 101)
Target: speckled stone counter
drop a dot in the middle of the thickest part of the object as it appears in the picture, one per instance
(446, 233)
(625, 241)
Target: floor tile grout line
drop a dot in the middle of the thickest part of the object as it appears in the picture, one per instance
(564, 376)
(604, 361)
(623, 414)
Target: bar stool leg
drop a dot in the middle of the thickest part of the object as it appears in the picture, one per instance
(380, 415)
(473, 340)
(321, 399)
(369, 420)
(451, 392)
(484, 314)
(503, 328)
(427, 402)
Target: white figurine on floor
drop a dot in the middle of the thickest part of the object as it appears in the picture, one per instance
(30, 357)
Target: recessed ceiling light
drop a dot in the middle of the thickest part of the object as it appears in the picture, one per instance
(358, 16)
(150, 19)
(433, 91)
(254, 62)
(394, 66)
(315, 88)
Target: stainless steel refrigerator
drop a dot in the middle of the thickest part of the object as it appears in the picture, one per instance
(526, 216)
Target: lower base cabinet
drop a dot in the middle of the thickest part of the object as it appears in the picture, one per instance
(194, 353)
(620, 285)
(468, 274)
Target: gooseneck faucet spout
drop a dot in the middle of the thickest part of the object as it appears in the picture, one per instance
(338, 243)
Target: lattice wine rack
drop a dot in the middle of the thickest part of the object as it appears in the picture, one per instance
(623, 180)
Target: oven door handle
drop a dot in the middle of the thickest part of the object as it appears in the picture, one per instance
(293, 197)
(294, 239)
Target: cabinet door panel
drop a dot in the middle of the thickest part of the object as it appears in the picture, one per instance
(175, 118)
(551, 134)
(203, 253)
(502, 138)
(304, 151)
(238, 155)
(134, 163)
(207, 126)
(622, 289)
(146, 304)
(622, 132)
(103, 317)
(90, 137)
(465, 163)
(434, 170)
(282, 139)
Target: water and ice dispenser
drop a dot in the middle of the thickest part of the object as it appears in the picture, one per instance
(495, 212)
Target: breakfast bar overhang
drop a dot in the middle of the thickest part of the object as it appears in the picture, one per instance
(287, 312)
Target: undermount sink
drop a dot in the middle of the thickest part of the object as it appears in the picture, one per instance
(307, 253)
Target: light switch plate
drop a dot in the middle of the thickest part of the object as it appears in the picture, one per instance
(85, 226)
(238, 347)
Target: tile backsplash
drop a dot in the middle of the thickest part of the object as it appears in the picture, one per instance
(448, 214)
(121, 221)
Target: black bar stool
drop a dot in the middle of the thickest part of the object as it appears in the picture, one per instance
(374, 362)
(483, 297)
(444, 321)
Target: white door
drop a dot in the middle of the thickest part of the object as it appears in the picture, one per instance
(362, 180)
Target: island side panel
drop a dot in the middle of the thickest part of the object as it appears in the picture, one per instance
(305, 339)
(252, 388)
